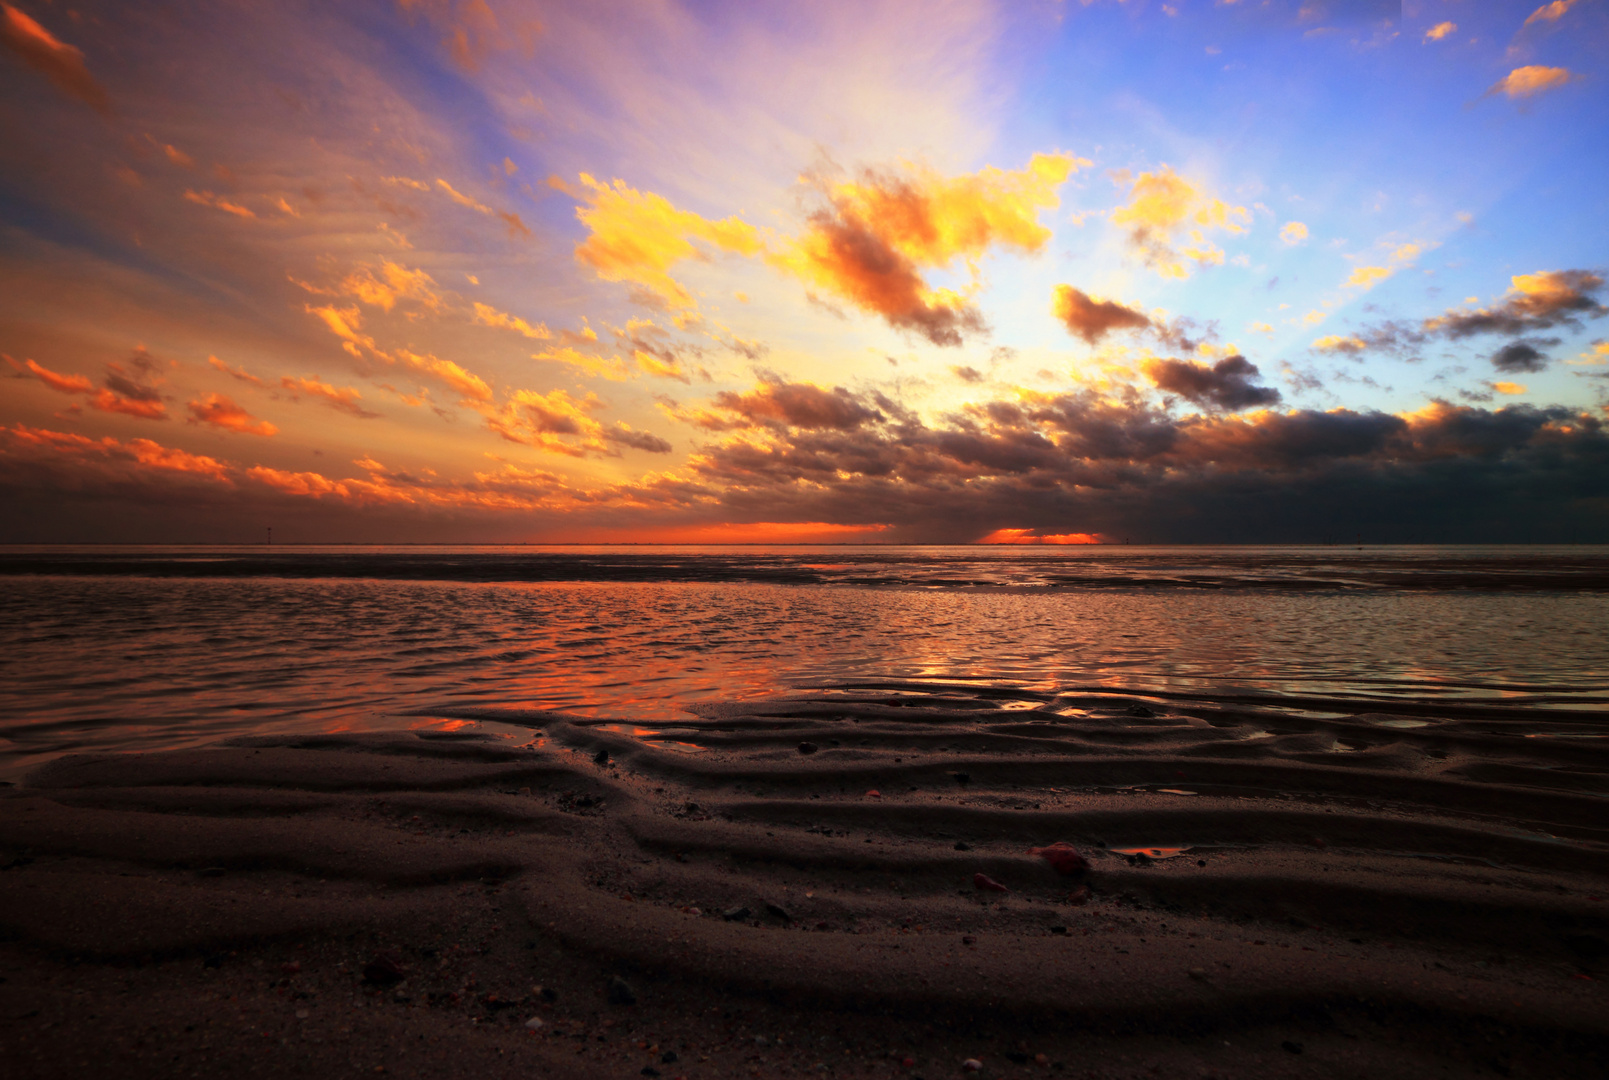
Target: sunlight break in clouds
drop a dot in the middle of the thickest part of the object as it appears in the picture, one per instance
(877, 234)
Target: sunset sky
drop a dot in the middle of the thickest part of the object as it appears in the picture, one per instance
(471, 270)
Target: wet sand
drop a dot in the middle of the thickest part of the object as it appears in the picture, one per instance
(1419, 893)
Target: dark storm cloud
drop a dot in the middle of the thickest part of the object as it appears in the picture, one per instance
(799, 405)
(1536, 302)
(1225, 385)
(1083, 462)
(1519, 356)
(1093, 319)
(637, 440)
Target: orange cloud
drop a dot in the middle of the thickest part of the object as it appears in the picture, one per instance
(394, 282)
(60, 62)
(736, 532)
(1293, 233)
(65, 384)
(220, 411)
(155, 456)
(235, 373)
(1440, 30)
(1092, 318)
(1509, 387)
(638, 236)
(1528, 81)
(1162, 208)
(1366, 277)
(467, 383)
(471, 31)
(490, 316)
(207, 198)
(516, 226)
(342, 399)
(877, 234)
(1351, 344)
(1549, 12)
(1026, 536)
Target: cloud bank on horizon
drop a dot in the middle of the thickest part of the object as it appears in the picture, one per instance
(509, 270)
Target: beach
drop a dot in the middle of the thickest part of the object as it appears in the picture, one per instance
(864, 877)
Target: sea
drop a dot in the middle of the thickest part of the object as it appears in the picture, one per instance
(114, 649)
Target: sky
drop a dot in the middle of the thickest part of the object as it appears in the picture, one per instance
(471, 271)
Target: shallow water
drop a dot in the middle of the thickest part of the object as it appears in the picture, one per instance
(153, 648)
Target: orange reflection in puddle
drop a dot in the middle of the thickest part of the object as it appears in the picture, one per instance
(1151, 852)
(648, 734)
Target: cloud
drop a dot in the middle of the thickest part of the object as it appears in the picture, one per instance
(219, 411)
(1092, 318)
(554, 422)
(207, 198)
(516, 226)
(466, 383)
(234, 373)
(471, 30)
(1519, 356)
(1028, 536)
(1366, 277)
(1533, 302)
(637, 237)
(63, 384)
(795, 405)
(1225, 385)
(1293, 233)
(1509, 388)
(623, 434)
(1528, 81)
(1162, 208)
(1440, 30)
(966, 373)
(877, 234)
(490, 316)
(341, 399)
(1549, 12)
(1350, 344)
(60, 62)
(394, 282)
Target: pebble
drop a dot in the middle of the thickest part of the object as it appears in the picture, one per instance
(1062, 857)
(987, 884)
(535, 1023)
(1199, 973)
(971, 1065)
(601, 757)
(384, 970)
(874, 794)
(732, 914)
(620, 992)
(808, 748)
(302, 1014)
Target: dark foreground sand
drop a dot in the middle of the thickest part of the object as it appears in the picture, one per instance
(1358, 897)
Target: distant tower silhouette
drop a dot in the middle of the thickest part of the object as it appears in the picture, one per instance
(270, 536)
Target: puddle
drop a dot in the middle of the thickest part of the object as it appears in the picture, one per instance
(1152, 853)
(1173, 791)
(1398, 723)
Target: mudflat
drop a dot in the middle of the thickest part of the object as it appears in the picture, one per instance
(863, 882)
